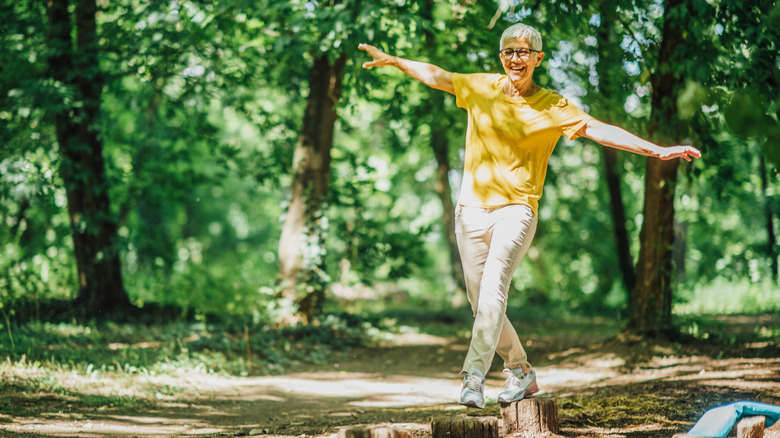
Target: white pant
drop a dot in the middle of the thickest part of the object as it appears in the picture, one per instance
(491, 243)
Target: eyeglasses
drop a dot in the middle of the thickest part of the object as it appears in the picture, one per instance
(522, 53)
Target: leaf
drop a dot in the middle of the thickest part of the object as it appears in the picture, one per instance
(745, 115)
(690, 100)
(772, 145)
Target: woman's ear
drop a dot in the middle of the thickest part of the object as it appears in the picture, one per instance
(539, 57)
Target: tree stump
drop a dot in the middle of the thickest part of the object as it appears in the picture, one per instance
(373, 432)
(749, 427)
(531, 417)
(772, 431)
(464, 426)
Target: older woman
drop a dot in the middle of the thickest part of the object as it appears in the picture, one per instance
(513, 126)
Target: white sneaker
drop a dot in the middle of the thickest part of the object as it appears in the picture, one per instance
(472, 394)
(518, 386)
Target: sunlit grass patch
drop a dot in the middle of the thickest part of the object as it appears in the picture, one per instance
(723, 296)
(72, 366)
(26, 387)
(233, 349)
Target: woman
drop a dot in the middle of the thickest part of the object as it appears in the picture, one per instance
(513, 126)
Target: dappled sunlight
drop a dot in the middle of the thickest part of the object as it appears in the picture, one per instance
(604, 389)
(617, 432)
(557, 379)
(744, 374)
(417, 339)
(736, 384)
(358, 389)
(128, 426)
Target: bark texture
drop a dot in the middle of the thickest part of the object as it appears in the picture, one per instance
(771, 247)
(531, 417)
(440, 146)
(610, 93)
(302, 239)
(93, 227)
(464, 426)
(750, 427)
(651, 302)
(373, 432)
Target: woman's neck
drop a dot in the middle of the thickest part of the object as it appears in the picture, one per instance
(512, 90)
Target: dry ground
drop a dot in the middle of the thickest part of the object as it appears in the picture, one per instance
(606, 386)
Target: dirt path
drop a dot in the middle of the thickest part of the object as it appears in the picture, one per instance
(618, 388)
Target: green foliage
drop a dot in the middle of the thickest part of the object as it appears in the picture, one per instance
(749, 66)
(722, 296)
(203, 103)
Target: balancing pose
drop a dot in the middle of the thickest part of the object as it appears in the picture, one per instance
(513, 126)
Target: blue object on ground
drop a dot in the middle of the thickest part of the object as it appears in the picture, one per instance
(717, 422)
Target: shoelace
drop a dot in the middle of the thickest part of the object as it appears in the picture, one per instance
(473, 383)
(513, 379)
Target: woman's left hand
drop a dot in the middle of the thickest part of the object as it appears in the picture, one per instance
(672, 152)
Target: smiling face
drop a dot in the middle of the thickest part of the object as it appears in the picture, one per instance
(520, 70)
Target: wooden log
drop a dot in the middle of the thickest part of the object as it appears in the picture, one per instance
(373, 432)
(748, 427)
(751, 427)
(772, 431)
(464, 426)
(531, 417)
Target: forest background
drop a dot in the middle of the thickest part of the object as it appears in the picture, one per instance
(233, 158)
(220, 187)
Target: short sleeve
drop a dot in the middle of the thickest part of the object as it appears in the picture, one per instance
(570, 118)
(460, 85)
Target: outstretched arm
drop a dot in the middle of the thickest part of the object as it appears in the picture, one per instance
(618, 138)
(429, 74)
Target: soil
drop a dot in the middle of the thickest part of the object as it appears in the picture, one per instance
(606, 386)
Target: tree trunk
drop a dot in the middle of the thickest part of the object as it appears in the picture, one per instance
(749, 427)
(651, 304)
(771, 250)
(301, 247)
(440, 147)
(679, 249)
(82, 169)
(618, 210)
(609, 95)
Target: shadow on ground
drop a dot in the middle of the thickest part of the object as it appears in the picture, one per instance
(606, 385)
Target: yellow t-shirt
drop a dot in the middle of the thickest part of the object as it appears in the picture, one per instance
(509, 140)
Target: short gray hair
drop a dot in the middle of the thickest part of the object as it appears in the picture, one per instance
(520, 30)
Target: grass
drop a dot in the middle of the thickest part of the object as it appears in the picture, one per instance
(73, 367)
(723, 296)
(25, 384)
(154, 349)
(614, 411)
(77, 368)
